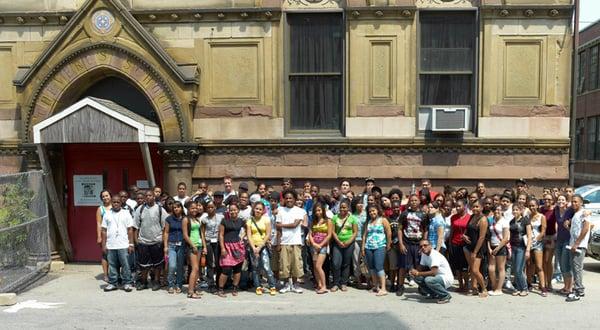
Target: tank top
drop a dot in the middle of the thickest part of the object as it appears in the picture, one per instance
(473, 234)
(175, 229)
(102, 211)
(536, 226)
(319, 232)
(195, 232)
(375, 235)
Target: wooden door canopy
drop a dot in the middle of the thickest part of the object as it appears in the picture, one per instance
(95, 120)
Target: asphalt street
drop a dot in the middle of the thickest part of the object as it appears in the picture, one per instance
(72, 299)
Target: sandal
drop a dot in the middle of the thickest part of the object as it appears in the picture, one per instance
(381, 293)
(221, 293)
(178, 290)
(322, 291)
(234, 292)
(171, 291)
(193, 295)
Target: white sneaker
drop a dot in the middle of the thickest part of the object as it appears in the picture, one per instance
(412, 282)
(287, 288)
(508, 285)
(296, 288)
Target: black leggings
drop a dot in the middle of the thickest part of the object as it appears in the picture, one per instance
(213, 256)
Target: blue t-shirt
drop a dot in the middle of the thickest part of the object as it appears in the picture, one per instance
(434, 224)
(175, 231)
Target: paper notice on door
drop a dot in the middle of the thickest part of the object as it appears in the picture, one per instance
(86, 190)
(142, 184)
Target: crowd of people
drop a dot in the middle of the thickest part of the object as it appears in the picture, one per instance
(456, 240)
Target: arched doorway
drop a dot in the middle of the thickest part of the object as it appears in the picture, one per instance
(122, 92)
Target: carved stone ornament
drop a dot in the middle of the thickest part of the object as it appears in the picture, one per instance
(313, 3)
(355, 14)
(179, 153)
(528, 13)
(553, 13)
(103, 21)
(504, 12)
(406, 13)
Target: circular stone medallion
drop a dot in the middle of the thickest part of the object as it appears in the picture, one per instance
(103, 21)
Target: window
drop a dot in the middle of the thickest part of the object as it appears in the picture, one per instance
(593, 81)
(593, 197)
(581, 80)
(316, 62)
(447, 58)
(592, 128)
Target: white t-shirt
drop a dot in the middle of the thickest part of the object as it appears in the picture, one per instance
(508, 214)
(131, 203)
(116, 225)
(436, 259)
(576, 227)
(290, 236)
(246, 213)
(496, 230)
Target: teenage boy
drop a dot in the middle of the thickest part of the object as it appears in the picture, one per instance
(117, 243)
(149, 223)
(273, 210)
(290, 220)
(580, 236)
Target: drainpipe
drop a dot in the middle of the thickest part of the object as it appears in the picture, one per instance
(574, 82)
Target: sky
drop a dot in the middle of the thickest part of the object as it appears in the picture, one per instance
(589, 12)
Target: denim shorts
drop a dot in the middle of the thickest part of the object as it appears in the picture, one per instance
(323, 250)
(537, 246)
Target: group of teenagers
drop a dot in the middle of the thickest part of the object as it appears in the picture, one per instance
(488, 243)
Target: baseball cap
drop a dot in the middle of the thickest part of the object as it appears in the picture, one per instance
(218, 193)
(520, 180)
(274, 195)
(243, 186)
(371, 179)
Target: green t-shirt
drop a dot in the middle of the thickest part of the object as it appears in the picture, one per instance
(344, 234)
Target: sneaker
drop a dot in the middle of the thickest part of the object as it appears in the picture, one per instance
(203, 285)
(259, 291)
(412, 282)
(155, 286)
(141, 286)
(494, 293)
(572, 297)
(393, 288)
(544, 293)
(334, 288)
(286, 288)
(273, 291)
(127, 287)
(110, 287)
(297, 289)
(400, 291)
(508, 285)
(171, 291)
(344, 288)
(581, 294)
(444, 300)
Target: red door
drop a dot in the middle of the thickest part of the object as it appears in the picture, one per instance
(120, 166)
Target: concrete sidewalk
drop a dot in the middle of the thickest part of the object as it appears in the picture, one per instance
(80, 303)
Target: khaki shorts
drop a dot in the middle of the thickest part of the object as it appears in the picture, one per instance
(290, 261)
(275, 260)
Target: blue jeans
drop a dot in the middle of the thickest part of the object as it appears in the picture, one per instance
(262, 262)
(518, 267)
(434, 285)
(117, 261)
(563, 256)
(176, 258)
(375, 260)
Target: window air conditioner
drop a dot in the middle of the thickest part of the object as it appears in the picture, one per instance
(455, 119)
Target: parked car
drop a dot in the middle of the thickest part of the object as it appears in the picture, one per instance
(591, 197)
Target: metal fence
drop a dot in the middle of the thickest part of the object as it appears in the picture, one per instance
(24, 230)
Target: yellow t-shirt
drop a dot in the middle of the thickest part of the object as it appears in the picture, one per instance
(262, 224)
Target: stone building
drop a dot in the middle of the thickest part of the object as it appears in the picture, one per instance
(587, 139)
(452, 90)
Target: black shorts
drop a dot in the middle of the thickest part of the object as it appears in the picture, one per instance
(458, 262)
(482, 253)
(412, 258)
(150, 256)
(502, 252)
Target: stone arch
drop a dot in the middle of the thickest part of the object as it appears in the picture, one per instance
(91, 62)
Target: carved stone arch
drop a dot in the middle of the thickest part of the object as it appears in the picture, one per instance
(97, 60)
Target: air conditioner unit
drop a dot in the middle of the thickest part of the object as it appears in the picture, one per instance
(455, 119)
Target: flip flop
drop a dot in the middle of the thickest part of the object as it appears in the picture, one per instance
(381, 293)
(193, 296)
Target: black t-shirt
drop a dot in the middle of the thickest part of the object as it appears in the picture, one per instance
(517, 230)
(232, 228)
(394, 222)
(414, 225)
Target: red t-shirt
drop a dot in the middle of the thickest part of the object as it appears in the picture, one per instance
(459, 226)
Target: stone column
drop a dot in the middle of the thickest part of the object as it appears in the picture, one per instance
(179, 159)
(31, 160)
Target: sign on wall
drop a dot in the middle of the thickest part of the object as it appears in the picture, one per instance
(86, 191)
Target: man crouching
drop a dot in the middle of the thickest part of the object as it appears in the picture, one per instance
(433, 274)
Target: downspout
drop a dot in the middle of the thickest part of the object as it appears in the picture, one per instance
(574, 82)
